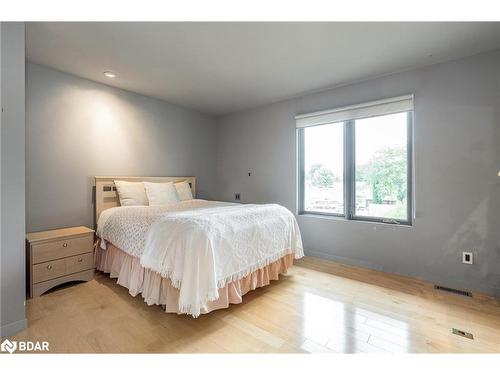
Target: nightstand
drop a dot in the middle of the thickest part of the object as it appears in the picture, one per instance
(57, 256)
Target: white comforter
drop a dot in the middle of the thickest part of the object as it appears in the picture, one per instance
(202, 245)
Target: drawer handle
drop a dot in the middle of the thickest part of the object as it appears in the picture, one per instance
(80, 260)
(65, 244)
(49, 267)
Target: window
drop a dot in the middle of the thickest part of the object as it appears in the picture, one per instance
(324, 168)
(355, 162)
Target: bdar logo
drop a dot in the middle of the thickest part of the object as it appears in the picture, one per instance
(24, 346)
(8, 346)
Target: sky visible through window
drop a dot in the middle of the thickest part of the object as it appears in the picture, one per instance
(322, 142)
(380, 164)
(324, 168)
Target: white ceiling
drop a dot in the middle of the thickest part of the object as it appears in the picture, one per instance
(219, 68)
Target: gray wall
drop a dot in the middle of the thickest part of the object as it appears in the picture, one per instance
(77, 129)
(13, 291)
(457, 190)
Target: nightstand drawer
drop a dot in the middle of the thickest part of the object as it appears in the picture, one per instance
(57, 256)
(79, 263)
(49, 270)
(61, 248)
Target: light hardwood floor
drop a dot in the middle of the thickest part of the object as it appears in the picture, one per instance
(318, 307)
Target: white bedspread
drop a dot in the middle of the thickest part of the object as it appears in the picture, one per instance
(202, 245)
(127, 226)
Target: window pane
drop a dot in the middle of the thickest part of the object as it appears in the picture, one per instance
(381, 166)
(324, 168)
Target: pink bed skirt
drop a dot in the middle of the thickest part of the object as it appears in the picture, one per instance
(157, 290)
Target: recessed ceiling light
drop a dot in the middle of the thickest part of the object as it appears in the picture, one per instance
(110, 74)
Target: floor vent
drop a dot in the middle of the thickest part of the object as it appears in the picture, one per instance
(454, 291)
(462, 333)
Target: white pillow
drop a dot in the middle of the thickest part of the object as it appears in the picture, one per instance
(131, 193)
(184, 191)
(161, 193)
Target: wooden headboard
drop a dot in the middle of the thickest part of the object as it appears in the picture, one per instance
(106, 195)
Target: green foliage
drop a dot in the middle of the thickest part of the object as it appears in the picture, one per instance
(321, 177)
(386, 173)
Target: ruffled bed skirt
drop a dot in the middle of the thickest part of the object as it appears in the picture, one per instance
(157, 290)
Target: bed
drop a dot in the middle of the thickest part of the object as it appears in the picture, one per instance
(192, 256)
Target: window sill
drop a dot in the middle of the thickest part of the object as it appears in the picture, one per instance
(344, 220)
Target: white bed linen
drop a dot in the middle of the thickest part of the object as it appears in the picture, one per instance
(202, 245)
(126, 227)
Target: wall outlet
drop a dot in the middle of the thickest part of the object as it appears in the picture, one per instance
(467, 257)
(237, 196)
